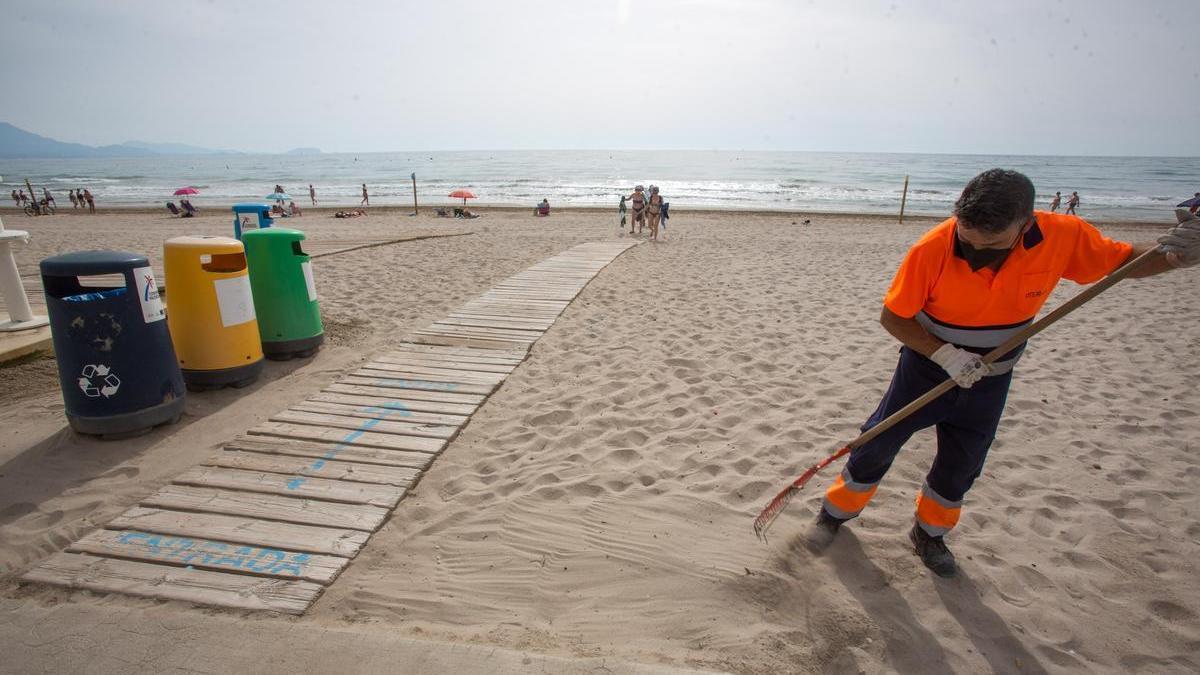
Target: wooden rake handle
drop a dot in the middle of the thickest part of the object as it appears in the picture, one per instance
(776, 505)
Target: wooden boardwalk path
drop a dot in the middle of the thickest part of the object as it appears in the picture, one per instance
(272, 519)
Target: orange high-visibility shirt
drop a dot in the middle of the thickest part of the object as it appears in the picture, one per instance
(980, 310)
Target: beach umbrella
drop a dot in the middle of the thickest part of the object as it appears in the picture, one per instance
(279, 196)
(463, 195)
(183, 191)
(1188, 203)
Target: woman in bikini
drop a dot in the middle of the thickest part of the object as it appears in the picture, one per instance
(654, 206)
(638, 204)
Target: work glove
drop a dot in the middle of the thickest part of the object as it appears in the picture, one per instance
(965, 367)
(1182, 242)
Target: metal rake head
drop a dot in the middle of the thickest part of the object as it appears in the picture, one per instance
(772, 511)
(780, 502)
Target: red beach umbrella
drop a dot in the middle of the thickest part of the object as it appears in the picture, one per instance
(463, 195)
(186, 191)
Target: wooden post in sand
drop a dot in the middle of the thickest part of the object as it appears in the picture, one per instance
(414, 180)
(903, 199)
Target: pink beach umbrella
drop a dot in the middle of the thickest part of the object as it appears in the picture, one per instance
(186, 191)
(463, 195)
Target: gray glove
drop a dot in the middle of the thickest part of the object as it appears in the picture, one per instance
(1182, 242)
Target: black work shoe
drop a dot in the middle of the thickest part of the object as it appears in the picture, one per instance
(933, 552)
(822, 532)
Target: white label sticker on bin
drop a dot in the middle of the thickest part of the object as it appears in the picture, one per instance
(148, 297)
(234, 300)
(308, 280)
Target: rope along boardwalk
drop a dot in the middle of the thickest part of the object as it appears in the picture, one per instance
(273, 518)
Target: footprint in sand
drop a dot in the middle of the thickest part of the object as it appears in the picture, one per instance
(553, 418)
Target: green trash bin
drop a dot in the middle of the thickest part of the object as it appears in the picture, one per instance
(285, 299)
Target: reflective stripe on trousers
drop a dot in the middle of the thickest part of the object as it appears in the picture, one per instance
(846, 498)
(936, 514)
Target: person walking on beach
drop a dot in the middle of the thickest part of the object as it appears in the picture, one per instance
(654, 206)
(91, 202)
(74, 199)
(637, 204)
(366, 200)
(49, 197)
(16, 199)
(1072, 203)
(312, 194)
(964, 288)
(21, 194)
(1056, 202)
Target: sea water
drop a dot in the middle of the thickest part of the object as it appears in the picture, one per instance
(1140, 188)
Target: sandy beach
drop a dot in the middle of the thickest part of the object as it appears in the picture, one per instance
(599, 504)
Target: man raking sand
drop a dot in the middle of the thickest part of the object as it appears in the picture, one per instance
(970, 285)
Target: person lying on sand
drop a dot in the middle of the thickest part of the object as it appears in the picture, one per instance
(964, 288)
(350, 214)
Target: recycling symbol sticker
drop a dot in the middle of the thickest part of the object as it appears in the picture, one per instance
(99, 380)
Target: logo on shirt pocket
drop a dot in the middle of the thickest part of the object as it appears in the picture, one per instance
(1033, 290)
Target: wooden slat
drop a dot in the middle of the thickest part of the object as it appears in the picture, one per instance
(364, 438)
(347, 492)
(290, 447)
(463, 351)
(496, 362)
(416, 361)
(374, 396)
(333, 469)
(433, 338)
(487, 332)
(375, 412)
(400, 391)
(511, 313)
(437, 374)
(110, 575)
(212, 555)
(241, 530)
(552, 307)
(519, 324)
(268, 507)
(544, 321)
(377, 426)
(399, 381)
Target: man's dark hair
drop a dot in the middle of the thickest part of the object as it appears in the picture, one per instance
(994, 200)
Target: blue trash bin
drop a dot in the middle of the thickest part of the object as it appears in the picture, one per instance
(116, 363)
(261, 211)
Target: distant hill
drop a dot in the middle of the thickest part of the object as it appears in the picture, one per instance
(303, 151)
(16, 142)
(174, 148)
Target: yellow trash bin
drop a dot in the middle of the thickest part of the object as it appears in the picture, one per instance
(210, 312)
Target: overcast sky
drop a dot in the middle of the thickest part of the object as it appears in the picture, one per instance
(1020, 76)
